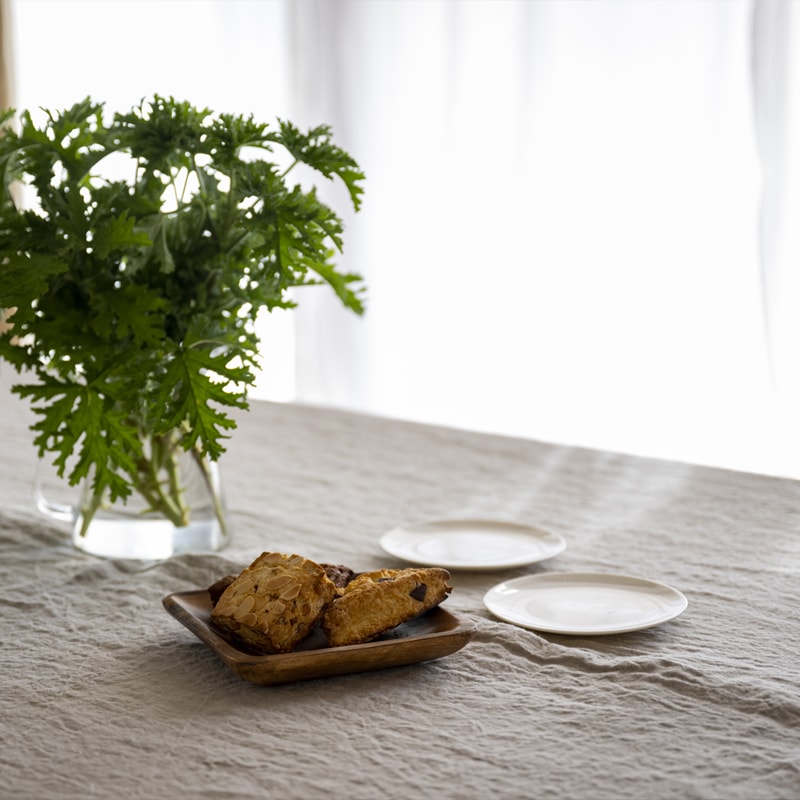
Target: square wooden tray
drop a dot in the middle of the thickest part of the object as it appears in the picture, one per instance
(433, 635)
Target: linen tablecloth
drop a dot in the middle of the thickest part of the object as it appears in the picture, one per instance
(105, 695)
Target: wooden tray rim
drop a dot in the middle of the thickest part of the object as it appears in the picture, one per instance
(451, 632)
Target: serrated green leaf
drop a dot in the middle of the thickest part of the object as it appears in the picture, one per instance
(316, 149)
(117, 233)
(190, 398)
(24, 277)
(133, 314)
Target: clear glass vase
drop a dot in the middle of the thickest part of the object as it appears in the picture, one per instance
(177, 506)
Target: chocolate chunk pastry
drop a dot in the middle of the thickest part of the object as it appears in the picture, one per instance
(375, 602)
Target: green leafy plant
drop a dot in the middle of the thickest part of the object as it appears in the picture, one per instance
(133, 299)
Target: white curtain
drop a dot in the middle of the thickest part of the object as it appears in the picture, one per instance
(776, 83)
(563, 232)
(6, 56)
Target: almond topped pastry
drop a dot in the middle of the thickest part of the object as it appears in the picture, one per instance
(275, 602)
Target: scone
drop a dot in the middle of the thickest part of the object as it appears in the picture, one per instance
(275, 603)
(377, 601)
(340, 574)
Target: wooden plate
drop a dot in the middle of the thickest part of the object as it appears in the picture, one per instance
(433, 635)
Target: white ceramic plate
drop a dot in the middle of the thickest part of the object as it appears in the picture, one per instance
(584, 604)
(471, 544)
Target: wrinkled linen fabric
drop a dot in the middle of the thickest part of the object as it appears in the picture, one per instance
(106, 695)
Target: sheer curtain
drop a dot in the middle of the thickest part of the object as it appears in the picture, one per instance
(6, 56)
(563, 232)
(776, 82)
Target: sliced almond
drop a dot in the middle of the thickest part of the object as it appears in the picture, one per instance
(277, 582)
(260, 602)
(277, 608)
(245, 607)
(290, 592)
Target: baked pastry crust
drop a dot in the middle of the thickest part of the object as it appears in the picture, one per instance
(377, 601)
(340, 574)
(275, 602)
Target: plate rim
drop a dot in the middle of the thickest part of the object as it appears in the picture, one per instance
(682, 602)
(559, 543)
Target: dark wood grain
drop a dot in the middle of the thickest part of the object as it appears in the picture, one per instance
(433, 635)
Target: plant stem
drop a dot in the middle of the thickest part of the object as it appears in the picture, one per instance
(169, 500)
(219, 511)
(88, 510)
(164, 494)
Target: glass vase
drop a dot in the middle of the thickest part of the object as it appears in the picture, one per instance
(176, 506)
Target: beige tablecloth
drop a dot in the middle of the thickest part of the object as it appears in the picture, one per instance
(105, 695)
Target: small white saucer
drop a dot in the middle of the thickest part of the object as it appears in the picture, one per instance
(584, 603)
(471, 544)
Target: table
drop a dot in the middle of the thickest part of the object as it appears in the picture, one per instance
(106, 695)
